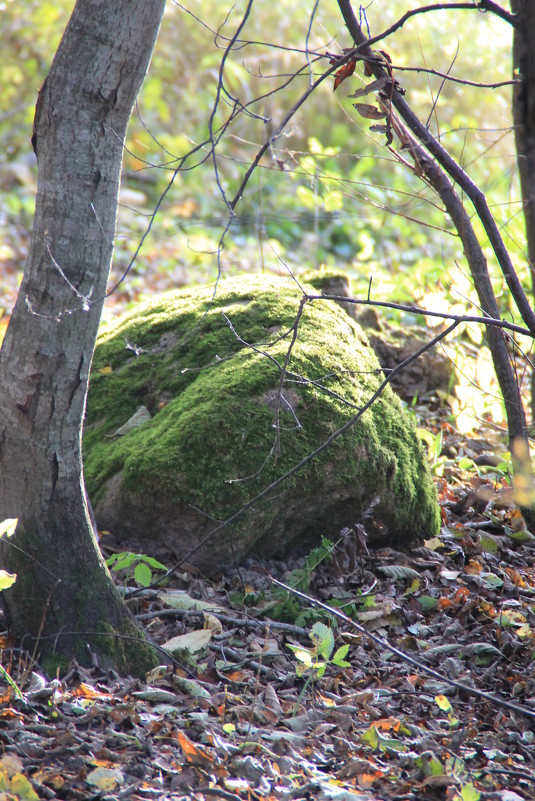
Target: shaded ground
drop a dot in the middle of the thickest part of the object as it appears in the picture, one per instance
(242, 717)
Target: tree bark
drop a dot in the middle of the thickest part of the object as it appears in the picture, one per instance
(64, 603)
(524, 122)
(436, 170)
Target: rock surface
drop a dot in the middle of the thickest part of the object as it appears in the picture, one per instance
(196, 377)
(433, 370)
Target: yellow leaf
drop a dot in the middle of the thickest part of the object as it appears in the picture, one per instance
(22, 789)
(443, 703)
(105, 779)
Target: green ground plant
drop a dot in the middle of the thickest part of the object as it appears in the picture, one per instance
(312, 663)
(135, 566)
(282, 605)
(315, 660)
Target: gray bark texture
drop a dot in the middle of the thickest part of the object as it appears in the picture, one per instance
(524, 122)
(64, 598)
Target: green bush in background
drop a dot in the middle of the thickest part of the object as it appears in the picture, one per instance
(328, 193)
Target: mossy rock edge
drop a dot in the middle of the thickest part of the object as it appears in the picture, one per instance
(207, 367)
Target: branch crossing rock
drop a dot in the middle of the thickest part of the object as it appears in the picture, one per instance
(206, 364)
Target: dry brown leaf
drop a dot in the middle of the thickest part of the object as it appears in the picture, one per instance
(370, 112)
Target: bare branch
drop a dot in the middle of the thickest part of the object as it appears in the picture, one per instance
(416, 139)
(377, 65)
(454, 79)
(460, 318)
(476, 5)
(217, 99)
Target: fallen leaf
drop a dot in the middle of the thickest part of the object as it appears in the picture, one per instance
(105, 779)
(193, 641)
(195, 754)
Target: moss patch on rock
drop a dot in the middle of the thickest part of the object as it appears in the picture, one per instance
(433, 371)
(207, 366)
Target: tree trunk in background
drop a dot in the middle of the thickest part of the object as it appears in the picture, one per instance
(64, 597)
(524, 122)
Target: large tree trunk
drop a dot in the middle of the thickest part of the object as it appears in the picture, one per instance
(64, 603)
(524, 122)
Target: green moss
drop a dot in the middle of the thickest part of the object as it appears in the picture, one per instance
(125, 649)
(212, 422)
(325, 279)
(127, 652)
(55, 665)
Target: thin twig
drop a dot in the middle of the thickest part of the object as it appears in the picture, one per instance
(460, 318)
(459, 685)
(237, 622)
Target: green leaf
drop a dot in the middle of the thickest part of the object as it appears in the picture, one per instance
(443, 703)
(428, 603)
(398, 572)
(470, 793)
(430, 765)
(8, 526)
(465, 463)
(482, 649)
(370, 737)
(433, 543)
(7, 579)
(22, 789)
(191, 687)
(523, 537)
(143, 574)
(389, 743)
(323, 638)
(489, 544)
(302, 654)
(121, 561)
(493, 581)
(152, 562)
(320, 668)
(339, 656)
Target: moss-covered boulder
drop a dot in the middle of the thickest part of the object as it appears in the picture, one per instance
(201, 372)
(433, 371)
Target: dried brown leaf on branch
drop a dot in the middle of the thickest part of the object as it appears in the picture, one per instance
(370, 112)
(344, 72)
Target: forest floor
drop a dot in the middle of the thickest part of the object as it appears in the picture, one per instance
(425, 691)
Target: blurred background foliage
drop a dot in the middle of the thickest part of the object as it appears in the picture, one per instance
(328, 192)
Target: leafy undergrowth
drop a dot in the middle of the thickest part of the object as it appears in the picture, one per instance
(272, 697)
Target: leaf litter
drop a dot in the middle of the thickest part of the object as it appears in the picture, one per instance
(271, 697)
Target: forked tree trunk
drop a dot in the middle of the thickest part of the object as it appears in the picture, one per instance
(64, 603)
(524, 122)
